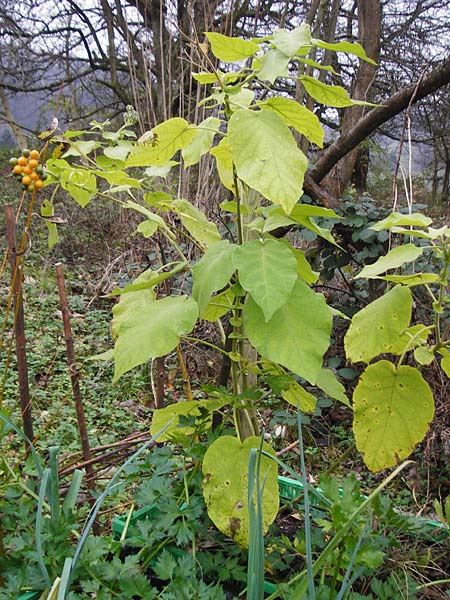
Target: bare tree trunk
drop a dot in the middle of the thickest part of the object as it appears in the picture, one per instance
(446, 181)
(369, 24)
(21, 140)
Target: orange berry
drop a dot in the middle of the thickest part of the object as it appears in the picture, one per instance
(38, 184)
(34, 154)
(27, 170)
(17, 170)
(33, 163)
(23, 161)
(26, 180)
(34, 176)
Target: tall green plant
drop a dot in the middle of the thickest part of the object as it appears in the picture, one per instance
(280, 326)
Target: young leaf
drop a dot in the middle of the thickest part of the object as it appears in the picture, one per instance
(268, 271)
(145, 328)
(295, 395)
(297, 116)
(218, 306)
(195, 221)
(376, 328)
(328, 383)
(173, 412)
(400, 220)
(165, 140)
(348, 47)
(392, 411)
(266, 156)
(290, 42)
(224, 163)
(273, 64)
(330, 95)
(303, 324)
(225, 485)
(231, 49)
(395, 258)
(212, 272)
(202, 141)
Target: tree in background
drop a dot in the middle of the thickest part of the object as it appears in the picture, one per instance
(84, 60)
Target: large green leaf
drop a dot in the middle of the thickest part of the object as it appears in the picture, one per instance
(162, 143)
(348, 47)
(266, 156)
(399, 220)
(297, 116)
(330, 95)
(145, 328)
(231, 49)
(201, 142)
(290, 42)
(268, 271)
(376, 328)
(392, 260)
(392, 411)
(195, 221)
(298, 334)
(173, 412)
(225, 485)
(212, 272)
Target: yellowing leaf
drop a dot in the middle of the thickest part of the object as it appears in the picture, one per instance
(225, 485)
(376, 328)
(201, 142)
(299, 397)
(231, 49)
(399, 220)
(291, 41)
(165, 140)
(195, 221)
(224, 162)
(392, 411)
(348, 47)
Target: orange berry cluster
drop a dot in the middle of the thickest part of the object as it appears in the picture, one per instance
(28, 171)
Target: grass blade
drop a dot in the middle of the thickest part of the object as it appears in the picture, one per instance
(39, 524)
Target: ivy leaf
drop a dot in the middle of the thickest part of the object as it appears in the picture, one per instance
(225, 486)
(201, 142)
(145, 328)
(231, 49)
(376, 328)
(266, 156)
(297, 116)
(303, 324)
(392, 260)
(268, 271)
(195, 221)
(348, 47)
(164, 141)
(290, 42)
(330, 95)
(212, 272)
(392, 411)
